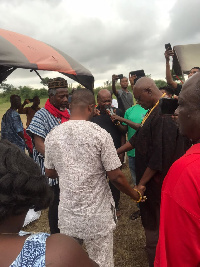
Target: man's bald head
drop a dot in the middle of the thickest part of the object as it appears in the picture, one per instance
(104, 93)
(104, 99)
(189, 108)
(146, 92)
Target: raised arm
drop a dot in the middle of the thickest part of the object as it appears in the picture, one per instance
(114, 79)
(23, 110)
(132, 80)
(169, 79)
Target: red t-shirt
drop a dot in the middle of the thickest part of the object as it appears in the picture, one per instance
(179, 237)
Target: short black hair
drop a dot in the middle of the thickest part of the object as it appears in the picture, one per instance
(168, 89)
(195, 68)
(21, 184)
(13, 98)
(82, 97)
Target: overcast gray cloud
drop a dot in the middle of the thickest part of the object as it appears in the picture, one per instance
(107, 36)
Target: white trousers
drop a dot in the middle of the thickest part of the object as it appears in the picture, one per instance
(100, 250)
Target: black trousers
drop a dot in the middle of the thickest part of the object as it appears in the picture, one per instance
(115, 194)
(53, 210)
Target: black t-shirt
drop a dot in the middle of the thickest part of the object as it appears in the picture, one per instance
(105, 122)
(157, 144)
(177, 90)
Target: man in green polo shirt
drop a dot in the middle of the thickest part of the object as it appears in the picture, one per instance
(134, 114)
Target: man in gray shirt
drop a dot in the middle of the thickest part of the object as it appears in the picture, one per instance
(124, 97)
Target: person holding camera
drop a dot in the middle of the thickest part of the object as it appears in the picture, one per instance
(104, 101)
(177, 86)
(29, 111)
(124, 97)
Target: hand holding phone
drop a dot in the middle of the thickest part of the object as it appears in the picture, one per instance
(168, 46)
(120, 76)
(114, 77)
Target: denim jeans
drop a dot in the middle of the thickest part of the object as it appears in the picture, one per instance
(131, 162)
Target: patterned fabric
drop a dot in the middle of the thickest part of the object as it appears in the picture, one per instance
(100, 250)
(11, 125)
(82, 152)
(33, 251)
(42, 123)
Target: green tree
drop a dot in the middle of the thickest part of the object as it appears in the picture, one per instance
(25, 92)
(45, 81)
(160, 83)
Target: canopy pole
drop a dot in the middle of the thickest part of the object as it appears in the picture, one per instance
(37, 75)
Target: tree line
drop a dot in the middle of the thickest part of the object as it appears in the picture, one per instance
(6, 90)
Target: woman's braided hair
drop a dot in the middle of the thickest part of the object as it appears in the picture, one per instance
(21, 184)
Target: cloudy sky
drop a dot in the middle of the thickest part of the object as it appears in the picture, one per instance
(106, 36)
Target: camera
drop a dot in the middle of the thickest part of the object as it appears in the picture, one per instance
(168, 46)
(138, 73)
(120, 76)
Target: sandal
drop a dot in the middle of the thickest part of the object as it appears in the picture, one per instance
(135, 215)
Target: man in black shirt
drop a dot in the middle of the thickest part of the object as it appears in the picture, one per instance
(104, 101)
(157, 144)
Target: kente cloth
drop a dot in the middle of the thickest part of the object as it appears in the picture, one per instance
(179, 243)
(63, 115)
(33, 251)
(157, 144)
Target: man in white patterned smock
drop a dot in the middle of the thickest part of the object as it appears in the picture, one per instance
(81, 153)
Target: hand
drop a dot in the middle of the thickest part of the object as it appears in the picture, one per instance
(142, 189)
(26, 101)
(121, 157)
(96, 112)
(116, 117)
(132, 79)
(114, 78)
(168, 53)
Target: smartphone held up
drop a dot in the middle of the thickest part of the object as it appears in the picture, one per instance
(168, 46)
(139, 74)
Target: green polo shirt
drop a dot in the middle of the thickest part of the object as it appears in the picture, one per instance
(135, 114)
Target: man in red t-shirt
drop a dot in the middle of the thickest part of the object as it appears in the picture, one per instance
(179, 241)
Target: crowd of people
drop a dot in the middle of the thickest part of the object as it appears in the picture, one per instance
(76, 151)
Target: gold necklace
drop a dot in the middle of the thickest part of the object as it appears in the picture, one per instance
(148, 113)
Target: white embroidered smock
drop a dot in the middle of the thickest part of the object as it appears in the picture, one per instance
(82, 152)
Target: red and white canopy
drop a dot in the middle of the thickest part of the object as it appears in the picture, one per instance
(20, 51)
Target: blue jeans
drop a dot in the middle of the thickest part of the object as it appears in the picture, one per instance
(131, 162)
